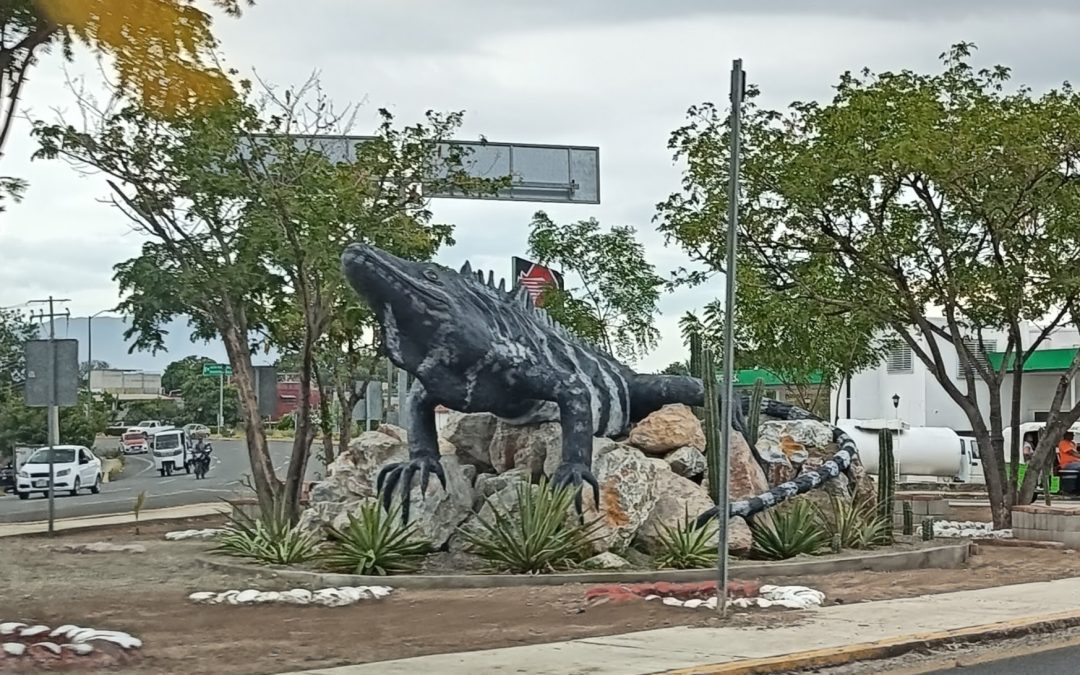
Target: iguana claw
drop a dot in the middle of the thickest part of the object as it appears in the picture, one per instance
(403, 473)
(576, 474)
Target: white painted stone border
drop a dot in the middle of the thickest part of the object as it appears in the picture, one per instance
(967, 529)
(327, 597)
(71, 638)
(790, 597)
(208, 533)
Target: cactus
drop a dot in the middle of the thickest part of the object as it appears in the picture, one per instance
(886, 477)
(754, 414)
(928, 529)
(695, 355)
(909, 519)
(711, 424)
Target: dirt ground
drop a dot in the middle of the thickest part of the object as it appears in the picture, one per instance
(146, 594)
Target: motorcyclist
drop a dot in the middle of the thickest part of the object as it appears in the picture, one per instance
(201, 457)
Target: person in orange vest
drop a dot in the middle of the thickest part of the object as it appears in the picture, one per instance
(1066, 451)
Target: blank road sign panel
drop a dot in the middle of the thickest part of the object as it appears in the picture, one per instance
(39, 372)
(538, 173)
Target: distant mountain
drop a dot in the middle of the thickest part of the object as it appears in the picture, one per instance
(109, 345)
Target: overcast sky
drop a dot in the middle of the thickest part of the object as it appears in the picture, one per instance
(618, 74)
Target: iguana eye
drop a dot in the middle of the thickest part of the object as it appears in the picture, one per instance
(431, 275)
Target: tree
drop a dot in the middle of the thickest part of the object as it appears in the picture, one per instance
(15, 331)
(201, 395)
(910, 195)
(246, 228)
(676, 368)
(615, 305)
(160, 49)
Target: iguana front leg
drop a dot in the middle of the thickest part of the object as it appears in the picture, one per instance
(423, 452)
(576, 420)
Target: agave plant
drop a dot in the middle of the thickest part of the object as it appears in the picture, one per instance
(687, 546)
(792, 530)
(854, 525)
(271, 538)
(539, 538)
(375, 542)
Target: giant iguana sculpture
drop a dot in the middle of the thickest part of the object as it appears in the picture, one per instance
(474, 348)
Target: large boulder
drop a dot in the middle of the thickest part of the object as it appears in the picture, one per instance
(627, 496)
(471, 435)
(352, 481)
(679, 499)
(746, 476)
(600, 447)
(524, 446)
(669, 428)
(784, 446)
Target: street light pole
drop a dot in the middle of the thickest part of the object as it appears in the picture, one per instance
(90, 357)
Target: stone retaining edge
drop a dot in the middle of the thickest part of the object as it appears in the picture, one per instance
(941, 557)
(814, 660)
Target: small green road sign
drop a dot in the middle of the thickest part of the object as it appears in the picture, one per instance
(217, 369)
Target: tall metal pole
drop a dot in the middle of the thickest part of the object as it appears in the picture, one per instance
(727, 400)
(54, 418)
(221, 402)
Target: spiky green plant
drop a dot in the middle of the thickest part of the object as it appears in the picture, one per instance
(792, 530)
(374, 542)
(886, 477)
(928, 529)
(753, 420)
(140, 500)
(711, 424)
(271, 538)
(853, 525)
(539, 538)
(686, 546)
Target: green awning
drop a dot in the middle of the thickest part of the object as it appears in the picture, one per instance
(1041, 360)
(746, 378)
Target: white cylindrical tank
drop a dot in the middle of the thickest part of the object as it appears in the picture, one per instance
(918, 451)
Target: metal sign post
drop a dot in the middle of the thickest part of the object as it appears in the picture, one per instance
(60, 389)
(738, 85)
(221, 370)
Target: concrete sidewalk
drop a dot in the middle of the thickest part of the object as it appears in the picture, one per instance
(170, 513)
(830, 628)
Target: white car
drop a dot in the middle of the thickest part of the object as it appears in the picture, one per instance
(76, 468)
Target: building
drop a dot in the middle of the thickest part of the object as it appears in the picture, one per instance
(921, 401)
(127, 385)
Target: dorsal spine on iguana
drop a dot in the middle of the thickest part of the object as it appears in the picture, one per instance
(475, 347)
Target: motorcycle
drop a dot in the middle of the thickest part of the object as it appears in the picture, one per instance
(200, 459)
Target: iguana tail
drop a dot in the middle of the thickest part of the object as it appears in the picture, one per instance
(803, 483)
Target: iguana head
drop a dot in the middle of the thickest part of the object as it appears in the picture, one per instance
(418, 304)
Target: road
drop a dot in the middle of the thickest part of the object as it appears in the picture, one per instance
(230, 464)
(1051, 662)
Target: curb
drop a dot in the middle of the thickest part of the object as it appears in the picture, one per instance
(41, 527)
(887, 648)
(948, 556)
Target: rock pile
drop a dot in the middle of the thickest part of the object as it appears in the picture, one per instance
(655, 477)
(327, 597)
(65, 647)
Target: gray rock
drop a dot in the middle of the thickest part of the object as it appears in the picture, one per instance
(438, 512)
(524, 447)
(678, 498)
(791, 441)
(687, 462)
(605, 561)
(601, 446)
(471, 437)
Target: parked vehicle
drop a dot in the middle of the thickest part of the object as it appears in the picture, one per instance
(134, 441)
(196, 431)
(171, 452)
(7, 478)
(921, 453)
(75, 468)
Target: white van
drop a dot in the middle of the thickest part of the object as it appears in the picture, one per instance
(170, 452)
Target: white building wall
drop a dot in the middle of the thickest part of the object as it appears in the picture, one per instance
(924, 402)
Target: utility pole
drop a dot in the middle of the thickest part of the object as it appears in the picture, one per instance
(221, 403)
(54, 408)
(738, 87)
(90, 358)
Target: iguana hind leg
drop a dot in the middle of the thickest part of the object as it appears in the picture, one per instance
(423, 453)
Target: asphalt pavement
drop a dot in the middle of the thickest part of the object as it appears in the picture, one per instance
(229, 466)
(1064, 661)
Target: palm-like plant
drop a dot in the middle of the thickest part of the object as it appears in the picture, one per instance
(792, 530)
(854, 525)
(540, 538)
(271, 538)
(375, 543)
(687, 546)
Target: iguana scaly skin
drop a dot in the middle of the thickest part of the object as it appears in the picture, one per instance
(475, 348)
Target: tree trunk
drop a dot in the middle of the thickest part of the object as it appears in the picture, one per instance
(1014, 426)
(993, 465)
(267, 486)
(345, 431)
(325, 423)
(305, 432)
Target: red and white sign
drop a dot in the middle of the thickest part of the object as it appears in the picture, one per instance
(535, 278)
